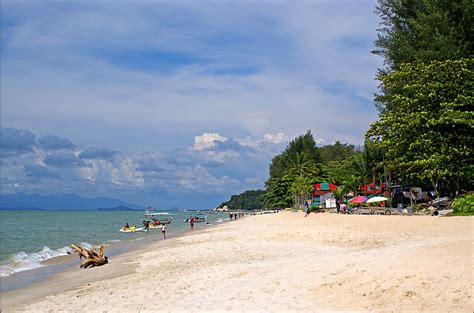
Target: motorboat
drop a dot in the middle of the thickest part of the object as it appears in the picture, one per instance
(158, 218)
(198, 218)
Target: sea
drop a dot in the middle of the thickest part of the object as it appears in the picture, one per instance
(30, 238)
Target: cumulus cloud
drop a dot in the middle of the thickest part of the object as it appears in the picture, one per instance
(38, 171)
(91, 153)
(207, 140)
(16, 141)
(50, 142)
(63, 159)
(185, 66)
(221, 166)
(275, 138)
(162, 73)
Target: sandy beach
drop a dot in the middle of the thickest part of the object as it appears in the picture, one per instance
(279, 262)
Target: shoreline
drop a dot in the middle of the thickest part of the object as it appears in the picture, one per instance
(56, 265)
(73, 277)
(279, 262)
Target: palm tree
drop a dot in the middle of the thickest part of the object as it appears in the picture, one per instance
(303, 175)
(353, 184)
(339, 192)
(362, 171)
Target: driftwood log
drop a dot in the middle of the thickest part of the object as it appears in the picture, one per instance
(92, 257)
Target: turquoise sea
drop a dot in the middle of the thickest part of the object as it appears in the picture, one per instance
(29, 238)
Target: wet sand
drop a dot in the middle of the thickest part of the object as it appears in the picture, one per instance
(279, 262)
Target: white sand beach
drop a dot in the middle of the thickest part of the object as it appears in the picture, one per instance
(279, 262)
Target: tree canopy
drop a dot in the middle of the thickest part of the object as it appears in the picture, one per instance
(413, 31)
(248, 200)
(300, 150)
(421, 31)
(429, 137)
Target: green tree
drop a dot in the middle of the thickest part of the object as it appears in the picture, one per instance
(278, 193)
(248, 200)
(421, 31)
(353, 183)
(302, 176)
(337, 152)
(339, 192)
(429, 138)
(413, 31)
(300, 150)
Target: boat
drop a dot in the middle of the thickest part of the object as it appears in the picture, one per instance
(198, 218)
(133, 229)
(158, 218)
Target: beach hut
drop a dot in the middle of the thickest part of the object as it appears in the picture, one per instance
(319, 190)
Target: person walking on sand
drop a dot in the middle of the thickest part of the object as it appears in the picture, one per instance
(306, 209)
(163, 231)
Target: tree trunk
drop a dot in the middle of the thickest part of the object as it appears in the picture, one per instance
(92, 257)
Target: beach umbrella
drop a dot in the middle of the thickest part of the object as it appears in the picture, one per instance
(359, 199)
(376, 199)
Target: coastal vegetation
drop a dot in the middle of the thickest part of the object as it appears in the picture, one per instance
(426, 121)
(464, 205)
(424, 133)
(248, 200)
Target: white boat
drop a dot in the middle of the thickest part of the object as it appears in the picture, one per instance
(161, 217)
(198, 218)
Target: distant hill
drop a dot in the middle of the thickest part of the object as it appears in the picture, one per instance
(248, 200)
(118, 208)
(61, 202)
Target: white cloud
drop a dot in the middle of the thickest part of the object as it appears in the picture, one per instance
(207, 140)
(74, 80)
(276, 138)
(319, 140)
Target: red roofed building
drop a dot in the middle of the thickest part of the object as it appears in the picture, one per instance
(321, 189)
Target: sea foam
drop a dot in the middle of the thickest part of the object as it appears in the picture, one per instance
(23, 261)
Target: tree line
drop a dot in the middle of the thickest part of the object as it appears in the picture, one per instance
(425, 129)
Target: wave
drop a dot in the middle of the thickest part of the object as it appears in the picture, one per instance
(23, 261)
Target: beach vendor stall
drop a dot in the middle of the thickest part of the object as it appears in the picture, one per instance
(321, 192)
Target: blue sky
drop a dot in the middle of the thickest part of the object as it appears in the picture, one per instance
(176, 103)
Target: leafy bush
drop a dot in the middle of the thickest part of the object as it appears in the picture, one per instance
(464, 205)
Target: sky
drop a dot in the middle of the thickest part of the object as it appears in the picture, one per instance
(176, 103)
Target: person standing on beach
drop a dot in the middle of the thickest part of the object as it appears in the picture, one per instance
(306, 209)
(191, 221)
(163, 231)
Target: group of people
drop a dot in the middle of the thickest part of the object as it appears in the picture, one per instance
(342, 208)
(235, 215)
(146, 226)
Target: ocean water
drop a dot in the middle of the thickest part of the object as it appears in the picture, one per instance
(29, 238)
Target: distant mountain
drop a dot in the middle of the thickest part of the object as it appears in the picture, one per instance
(118, 208)
(61, 202)
(22, 208)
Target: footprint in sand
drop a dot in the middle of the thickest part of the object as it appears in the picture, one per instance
(409, 294)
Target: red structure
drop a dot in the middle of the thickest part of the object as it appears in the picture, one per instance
(321, 189)
(372, 189)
